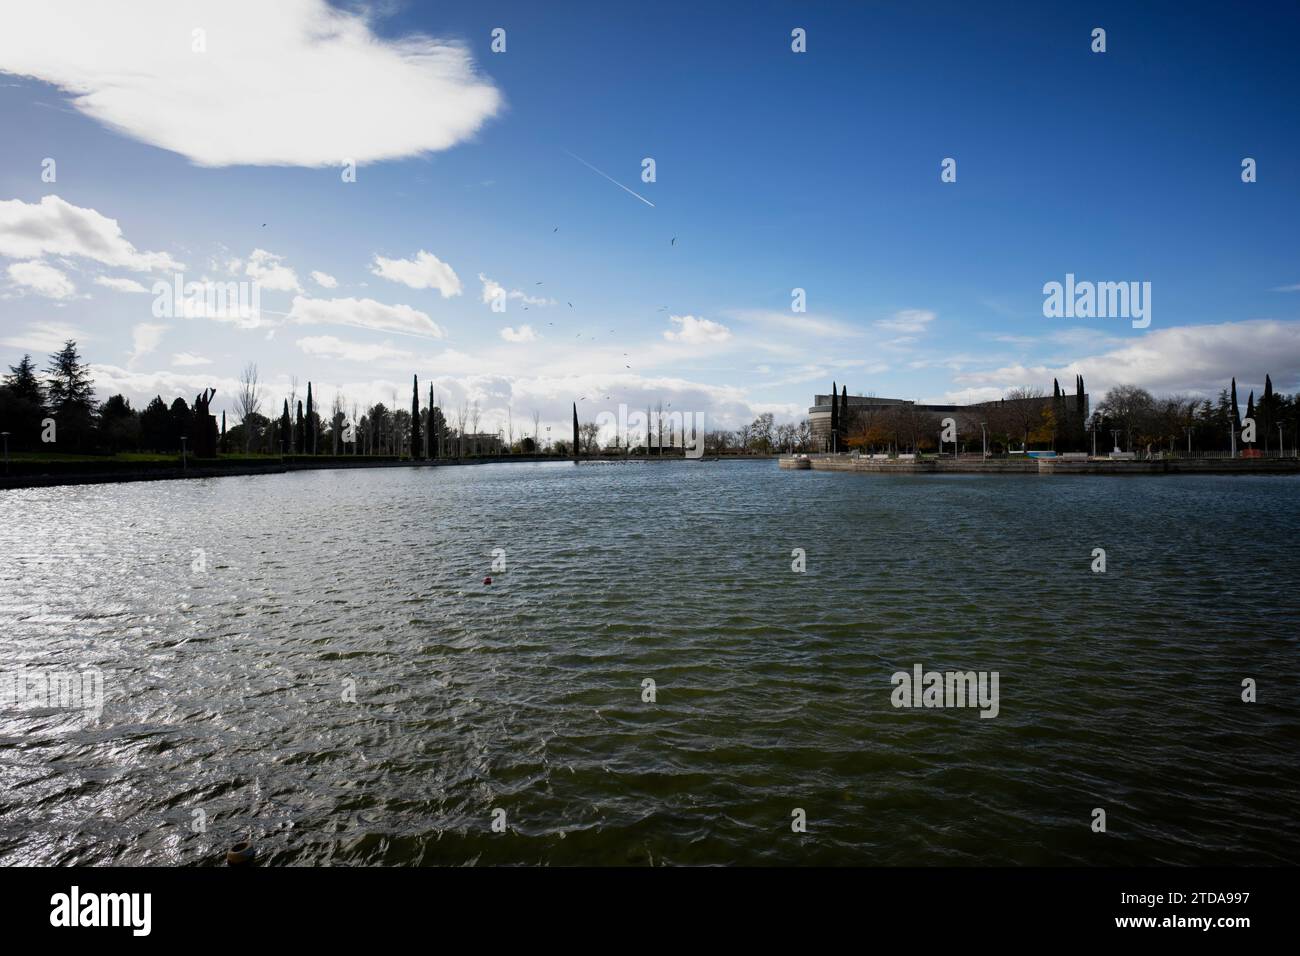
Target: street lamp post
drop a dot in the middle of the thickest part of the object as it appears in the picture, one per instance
(1232, 433)
(984, 435)
(183, 452)
(1114, 432)
(1188, 429)
(5, 436)
(1281, 451)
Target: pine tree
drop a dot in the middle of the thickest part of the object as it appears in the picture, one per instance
(22, 405)
(70, 395)
(22, 382)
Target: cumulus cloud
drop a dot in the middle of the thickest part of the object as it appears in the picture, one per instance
(291, 83)
(55, 227)
(524, 333)
(364, 314)
(42, 279)
(1190, 358)
(270, 272)
(425, 271)
(696, 331)
(324, 280)
(145, 337)
(120, 285)
(493, 290)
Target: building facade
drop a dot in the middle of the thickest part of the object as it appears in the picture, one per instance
(1003, 412)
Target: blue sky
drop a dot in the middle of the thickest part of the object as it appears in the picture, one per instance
(775, 171)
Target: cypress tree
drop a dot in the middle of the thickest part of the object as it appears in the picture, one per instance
(430, 451)
(575, 431)
(286, 430)
(835, 418)
(1250, 410)
(311, 425)
(301, 432)
(1235, 410)
(844, 415)
(1080, 410)
(415, 417)
(1266, 409)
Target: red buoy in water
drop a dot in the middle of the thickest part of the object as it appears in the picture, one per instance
(487, 580)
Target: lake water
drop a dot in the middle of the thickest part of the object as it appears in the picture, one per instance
(224, 687)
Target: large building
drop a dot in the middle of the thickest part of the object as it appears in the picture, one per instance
(861, 406)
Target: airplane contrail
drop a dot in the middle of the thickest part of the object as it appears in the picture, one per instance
(612, 180)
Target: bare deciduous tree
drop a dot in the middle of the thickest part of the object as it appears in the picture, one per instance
(248, 400)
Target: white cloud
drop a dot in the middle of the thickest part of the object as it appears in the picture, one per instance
(189, 360)
(524, 333)
(324, 280)
(43, 279)
(425, 271)
(1190, 358)
(268, 270)
(493, 290)
(365, 314)
(908, 321)
(695, 331)
(291, 83)
(797, 322)
(120, 285)
(332, 347)
(145, 337)
(58, 228)
(44, 337)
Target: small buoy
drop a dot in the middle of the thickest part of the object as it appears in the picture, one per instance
(488, 579)
(241, 853)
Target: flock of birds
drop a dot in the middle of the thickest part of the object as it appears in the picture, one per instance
(672, 243)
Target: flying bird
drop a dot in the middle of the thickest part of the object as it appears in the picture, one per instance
(674, 242)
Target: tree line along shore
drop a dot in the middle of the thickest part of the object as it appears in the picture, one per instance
(54, 427)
